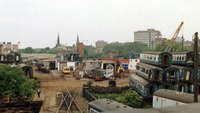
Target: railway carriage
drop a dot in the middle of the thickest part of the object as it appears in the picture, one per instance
(161, 59)
(110, 106)
(10, 58)
(142, 86)
(166, 98)
(149, 72)
(186, 73)
(183, 58)
(166, 86)
(2, 58)
(171, 74)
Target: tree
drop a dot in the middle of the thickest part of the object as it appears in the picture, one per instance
(132, 46)
(47, 48)
(15, 84)
(53, 51)
(42, 51)
(130, 98)
(28, 50)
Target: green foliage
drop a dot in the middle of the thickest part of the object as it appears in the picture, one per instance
(132, 46)
(89, 83)
(47, 48)
(113, 48)
(15, 84)
(42, 51)
(130, 98)
(53, 51)
(161, 47)
(28, 50)
(124, 50)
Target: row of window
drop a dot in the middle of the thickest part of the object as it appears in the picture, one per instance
(137, 84)
(179, 57)
(149, 57)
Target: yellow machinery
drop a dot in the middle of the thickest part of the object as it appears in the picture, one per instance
(120, 70)
(66, 70)
(172, 41)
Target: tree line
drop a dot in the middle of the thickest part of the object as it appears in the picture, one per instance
(43, 50)
(119, 50)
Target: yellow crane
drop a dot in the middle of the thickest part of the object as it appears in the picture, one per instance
(172, 41)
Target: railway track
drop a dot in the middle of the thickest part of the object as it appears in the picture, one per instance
(67, 103)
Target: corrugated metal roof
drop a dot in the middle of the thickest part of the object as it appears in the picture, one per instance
(148, 66)
(139, 79)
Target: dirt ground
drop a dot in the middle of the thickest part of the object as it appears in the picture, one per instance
(49, 89)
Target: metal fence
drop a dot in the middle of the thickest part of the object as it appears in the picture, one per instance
(87, 95)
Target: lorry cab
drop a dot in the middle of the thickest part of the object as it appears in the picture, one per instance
(66, 70)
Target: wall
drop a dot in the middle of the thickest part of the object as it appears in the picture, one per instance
(132, 63)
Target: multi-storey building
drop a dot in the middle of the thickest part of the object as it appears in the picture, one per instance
(101, 43)
(146, 36)
(8, 47)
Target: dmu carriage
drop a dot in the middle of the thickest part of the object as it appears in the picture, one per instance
(161, 59)
(166, 98)
(142, 86)
(171, 75)
(10, 58)
(149, 72)
(183, 58)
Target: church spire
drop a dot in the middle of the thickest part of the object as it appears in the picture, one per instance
(77, 41)
(58, 40)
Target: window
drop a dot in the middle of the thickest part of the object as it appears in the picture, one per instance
(187, 77)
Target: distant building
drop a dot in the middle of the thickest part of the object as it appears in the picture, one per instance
(157, 41)
(132, 63)
(146, 36)
(101, 43)
(7, 48)
(80, 48)
(98, 50)
(179, 39)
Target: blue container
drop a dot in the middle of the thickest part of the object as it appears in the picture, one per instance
(71, 68)
(125, 66)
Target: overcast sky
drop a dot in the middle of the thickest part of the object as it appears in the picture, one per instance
(36, 23)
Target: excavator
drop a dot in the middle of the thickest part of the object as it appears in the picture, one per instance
(170, 44)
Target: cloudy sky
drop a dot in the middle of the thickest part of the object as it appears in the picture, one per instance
(36, 23)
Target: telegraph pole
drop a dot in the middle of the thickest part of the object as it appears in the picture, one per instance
(196, 61)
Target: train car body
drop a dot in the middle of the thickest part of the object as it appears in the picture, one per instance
(142, 86)
(10, 58)
(171, 75)
(166, 86)
(166, 98)
(28, 70)
(183, 87)
(149, 72)
(183, 58)
(161, 59)
(186, 73)
(110, 106)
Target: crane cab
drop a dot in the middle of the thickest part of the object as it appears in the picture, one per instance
(66, 70)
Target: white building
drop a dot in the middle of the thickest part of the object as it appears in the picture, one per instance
(132, 63)
(146, 36)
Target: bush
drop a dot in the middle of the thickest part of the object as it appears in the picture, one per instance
(15, 84)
